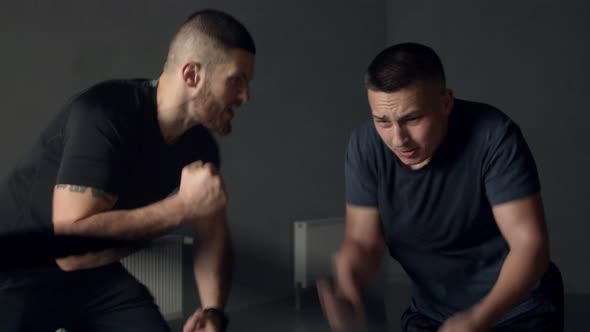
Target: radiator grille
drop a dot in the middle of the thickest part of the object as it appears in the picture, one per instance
(159, 268)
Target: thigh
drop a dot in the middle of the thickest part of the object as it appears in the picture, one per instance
(414, 321)
(116, 301)
(136, 318)
(545, 318)
(28, 310)
(13, 310)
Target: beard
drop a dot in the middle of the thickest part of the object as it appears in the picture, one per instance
(219, 124)
(215, 117)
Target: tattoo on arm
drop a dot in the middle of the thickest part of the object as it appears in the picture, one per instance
(71, 188)
(77, 189)
(98, 193)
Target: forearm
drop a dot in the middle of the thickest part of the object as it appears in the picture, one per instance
(142, 224)
(94, 259)
(213, 261)
(361, 260)
(523, 267)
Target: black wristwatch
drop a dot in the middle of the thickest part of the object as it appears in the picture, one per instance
(223, 319)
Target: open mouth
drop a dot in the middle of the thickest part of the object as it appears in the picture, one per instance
(407, 153)
(230, 112)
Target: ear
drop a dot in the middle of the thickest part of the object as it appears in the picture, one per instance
(192, 73)
(448, 100)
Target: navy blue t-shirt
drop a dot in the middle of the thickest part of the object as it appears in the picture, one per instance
(437, 221)
(107, 137)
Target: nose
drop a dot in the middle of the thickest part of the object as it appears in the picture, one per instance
(399, 135)
(244, 95)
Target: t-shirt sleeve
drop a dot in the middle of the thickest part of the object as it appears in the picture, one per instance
(510, 172)
(360, 177)
(93, 151)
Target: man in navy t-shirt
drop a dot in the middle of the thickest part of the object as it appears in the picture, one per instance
(451, 189)
(124, 162)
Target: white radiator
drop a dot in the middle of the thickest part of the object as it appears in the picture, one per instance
(315, 243)
(159, 267)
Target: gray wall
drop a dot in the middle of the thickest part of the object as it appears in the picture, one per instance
(529, 58)
(284, 160)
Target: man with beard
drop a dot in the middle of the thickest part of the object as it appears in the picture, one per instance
(125, 162)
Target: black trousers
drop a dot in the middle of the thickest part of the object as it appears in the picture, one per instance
(97, 300)
(541, 319)
(547, 317)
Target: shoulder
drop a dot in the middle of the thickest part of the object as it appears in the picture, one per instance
(483, 121)
(483, 113)
(112, 94)
(364, 138)
(365, 149)
(114, 102)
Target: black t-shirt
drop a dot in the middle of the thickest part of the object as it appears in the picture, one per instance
(107, 137)
(437, 221)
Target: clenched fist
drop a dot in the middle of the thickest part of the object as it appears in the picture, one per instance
(201, 190)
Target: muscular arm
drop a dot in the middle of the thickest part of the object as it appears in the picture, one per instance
(360, 253)
(212, 264)
(84, 212)
(80, 212)
(94, 259)
(522, 224)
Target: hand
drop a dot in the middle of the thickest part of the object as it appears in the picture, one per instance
(201, 191)
(201, 322)
(463, 322)
(342, 301)
(342, 314)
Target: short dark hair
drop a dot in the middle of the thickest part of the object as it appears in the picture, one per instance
(400, 65)
(221, 27)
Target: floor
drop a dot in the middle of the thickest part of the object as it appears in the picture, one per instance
(281, 315)
(278, 316)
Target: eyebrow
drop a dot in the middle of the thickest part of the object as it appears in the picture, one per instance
(402, 118)
(243, 76)
(409, 115)
(381, 118)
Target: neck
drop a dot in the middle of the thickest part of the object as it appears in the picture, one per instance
(173, 116)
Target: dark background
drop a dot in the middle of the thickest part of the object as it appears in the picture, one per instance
(284, 160)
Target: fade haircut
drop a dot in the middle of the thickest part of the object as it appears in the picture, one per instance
(400, 65)
(208, 35)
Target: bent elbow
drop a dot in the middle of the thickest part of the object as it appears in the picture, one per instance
(67, 264)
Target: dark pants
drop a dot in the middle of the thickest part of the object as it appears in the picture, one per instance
(541, 319)
(547, 317)
(97, 300)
